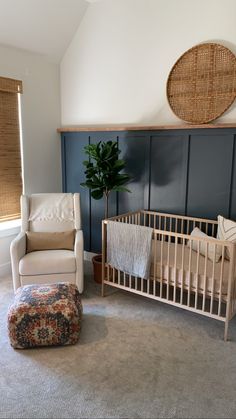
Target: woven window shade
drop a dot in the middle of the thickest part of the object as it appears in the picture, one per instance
(10, 85)
(10, 156)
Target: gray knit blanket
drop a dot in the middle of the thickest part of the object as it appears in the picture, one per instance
(129, 248)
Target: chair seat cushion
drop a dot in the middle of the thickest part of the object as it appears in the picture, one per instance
(43, 315)
(46, 262)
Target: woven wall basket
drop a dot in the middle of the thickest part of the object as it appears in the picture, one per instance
(202, 84)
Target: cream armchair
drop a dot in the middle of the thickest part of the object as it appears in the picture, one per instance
(52, 212)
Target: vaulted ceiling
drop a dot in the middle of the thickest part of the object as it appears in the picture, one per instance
(41, 26)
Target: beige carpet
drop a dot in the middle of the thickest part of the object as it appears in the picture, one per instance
(136, 359)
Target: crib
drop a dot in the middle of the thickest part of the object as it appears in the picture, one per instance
(180, 275)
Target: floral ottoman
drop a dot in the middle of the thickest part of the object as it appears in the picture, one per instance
(44, 315)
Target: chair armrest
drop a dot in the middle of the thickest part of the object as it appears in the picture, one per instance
(79, 256)
(17, 251)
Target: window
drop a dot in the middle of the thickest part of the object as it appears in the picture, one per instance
(10, 154)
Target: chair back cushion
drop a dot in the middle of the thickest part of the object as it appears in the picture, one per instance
(50, 212)
(49, 241)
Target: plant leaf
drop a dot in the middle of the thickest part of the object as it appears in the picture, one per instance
(121, 189)
(102, 170)
(97, 194)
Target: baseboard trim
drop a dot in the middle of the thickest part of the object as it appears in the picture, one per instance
(5, 269)
(89, 255)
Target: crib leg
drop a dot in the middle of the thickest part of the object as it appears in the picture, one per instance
(226, 330)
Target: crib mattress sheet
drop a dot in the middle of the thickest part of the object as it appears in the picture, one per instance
(196, 281)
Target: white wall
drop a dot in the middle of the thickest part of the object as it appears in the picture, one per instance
(116, 67)
(6, 237)
(5, 255)
(40, 119)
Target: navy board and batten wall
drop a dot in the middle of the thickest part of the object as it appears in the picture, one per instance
(188, 170)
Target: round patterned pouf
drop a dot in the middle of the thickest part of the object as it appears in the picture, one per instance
(45, 315)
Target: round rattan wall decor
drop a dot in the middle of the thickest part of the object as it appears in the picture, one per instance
(202, 83)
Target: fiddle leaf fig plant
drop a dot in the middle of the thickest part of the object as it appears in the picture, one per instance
(102, 170)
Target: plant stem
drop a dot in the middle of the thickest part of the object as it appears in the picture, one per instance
(106, 196)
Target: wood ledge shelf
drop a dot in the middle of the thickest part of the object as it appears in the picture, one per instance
(77, 128)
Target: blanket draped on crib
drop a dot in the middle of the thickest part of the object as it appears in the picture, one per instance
(129, 248)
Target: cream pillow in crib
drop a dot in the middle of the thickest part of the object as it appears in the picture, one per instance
(226, 231)
(202, 247)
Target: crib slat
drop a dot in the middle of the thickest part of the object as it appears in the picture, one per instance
(170, 223)
(175, 268)
(221, 278)
(213, 279)
(139, 219)
(159, 226)
(113, 275)
(161, 268)
(118, 276)
(176, 225)
(148, 286)
(136, 283)
(182, 226)
(168, 268)
(214, 229)
(205, 278)
(183, 272)
(197, 274)
(189, 271)
(154, 287)
(108, 272)
(155, 263)
(142, 284)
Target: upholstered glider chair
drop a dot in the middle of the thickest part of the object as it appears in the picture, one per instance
(57, 213)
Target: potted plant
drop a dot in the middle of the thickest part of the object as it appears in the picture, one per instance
(102, 171)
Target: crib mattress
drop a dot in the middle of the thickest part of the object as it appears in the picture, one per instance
(188, 276)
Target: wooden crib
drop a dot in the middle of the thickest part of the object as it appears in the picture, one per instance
(180, 275)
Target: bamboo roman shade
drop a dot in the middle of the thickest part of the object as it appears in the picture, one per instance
(10, 155)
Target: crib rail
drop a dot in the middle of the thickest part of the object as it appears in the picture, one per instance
(168, 222)
(184, 270)
(178, 223)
